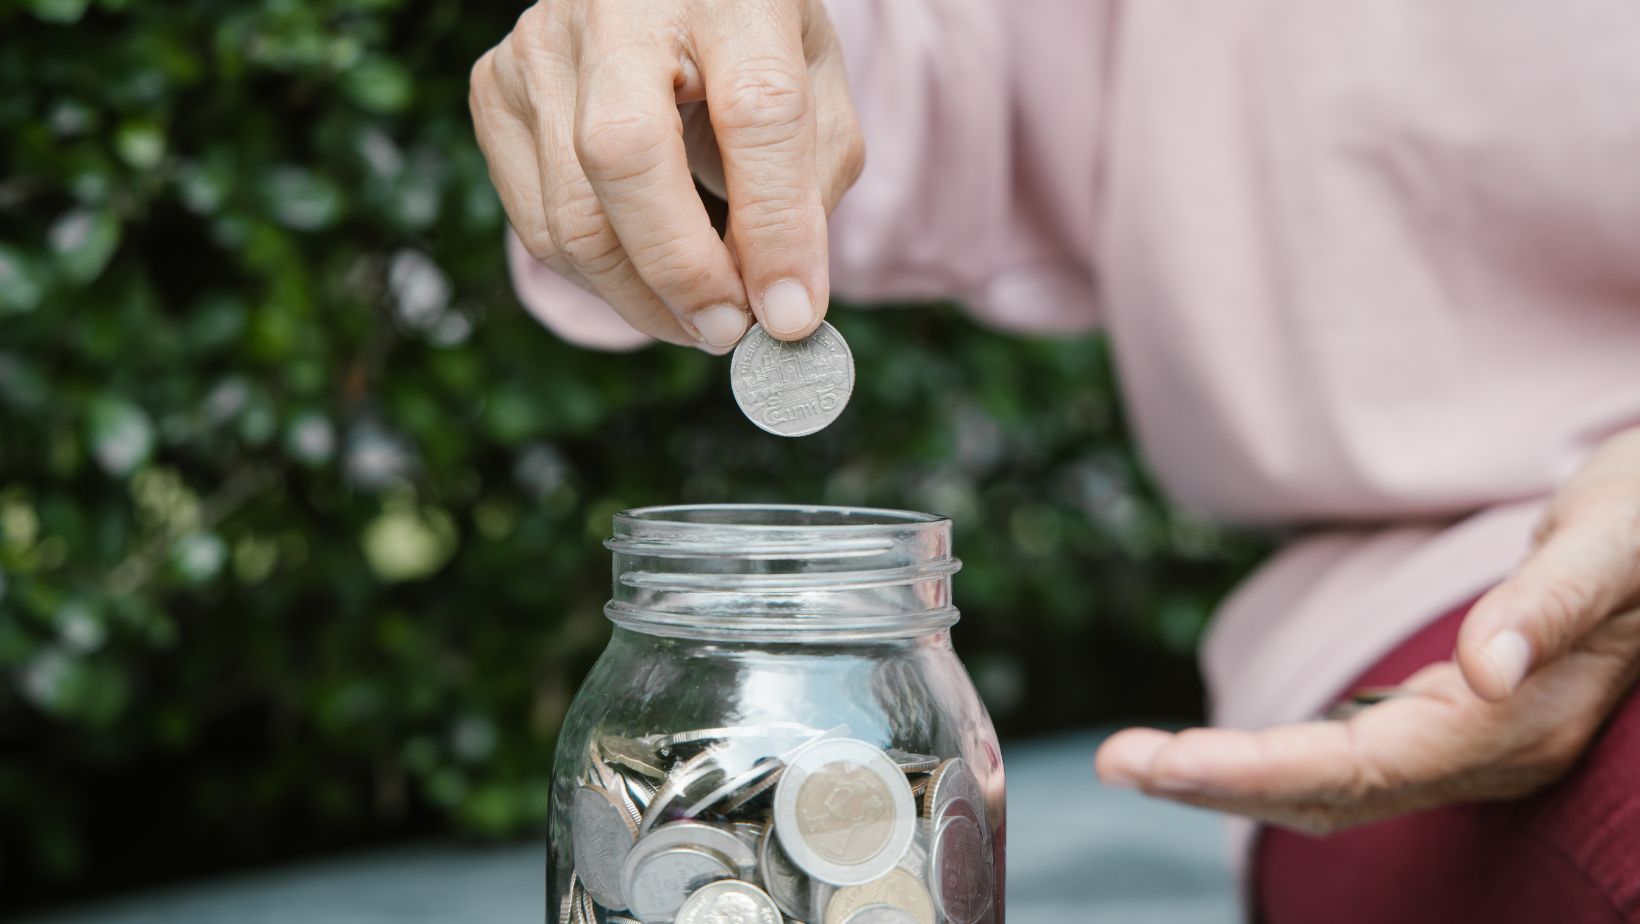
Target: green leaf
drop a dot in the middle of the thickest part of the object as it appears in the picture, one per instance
(83, 241)
(120, 434)
(20, 281)
(379, 85)
(405, 543)
(140, 143)
(301, 199)
(58, 11)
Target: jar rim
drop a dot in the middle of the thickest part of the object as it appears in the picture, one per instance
(800, 516)
(792, 571)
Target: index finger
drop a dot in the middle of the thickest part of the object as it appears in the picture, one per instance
(629, 141)
(756, 71)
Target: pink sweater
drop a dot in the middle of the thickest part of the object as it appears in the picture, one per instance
(1371, 270)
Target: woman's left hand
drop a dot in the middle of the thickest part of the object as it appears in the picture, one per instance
(1542, 659)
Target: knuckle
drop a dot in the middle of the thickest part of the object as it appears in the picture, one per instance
(481, 78)
(1562, 603)
(783, 216)
(538, 243)
(581, 234)
(671, 268)
(615, 145)
(764, 95)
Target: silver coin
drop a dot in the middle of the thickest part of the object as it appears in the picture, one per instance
(729, 901)
(699, 771)
(792, 388)
(787, 885)
(567, 903)
(843, 811)
(758, 777)
(899, 889)
(641, 792)
(772, 730)
(636, 754)
(952, 780)
(658, 884)
(912, 763)
(602, 835)
(959, 870)
(880, 914)
(587, 910)
(719, 840)
(961, 806)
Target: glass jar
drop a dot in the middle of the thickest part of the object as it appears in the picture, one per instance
(779, 730)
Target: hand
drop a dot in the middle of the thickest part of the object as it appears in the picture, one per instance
(591, 114)
(1541, 660)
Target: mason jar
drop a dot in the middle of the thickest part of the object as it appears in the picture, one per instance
(779, 730)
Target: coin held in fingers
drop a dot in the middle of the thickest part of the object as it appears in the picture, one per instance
(792, 388)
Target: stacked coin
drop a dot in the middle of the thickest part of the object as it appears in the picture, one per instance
(776, 823)
(792, 388)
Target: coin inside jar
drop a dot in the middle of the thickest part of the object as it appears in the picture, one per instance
(843, 811)
(959, 870)
(729, 901)
(880, 914)
(603, 837)
(899, 889)
(659, 883)
(792, 388)
(787, 884)
(952, 780)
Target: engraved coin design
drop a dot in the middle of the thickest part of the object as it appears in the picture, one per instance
(844, 811)
(959, 870)
(661, 881)
(729, 901)
(792, 388)
(787, 884)
(880, 914)
(899, 889)
(603, 837)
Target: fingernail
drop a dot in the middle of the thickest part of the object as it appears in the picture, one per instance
(720, 325)
(1511, 654)
(786, 307)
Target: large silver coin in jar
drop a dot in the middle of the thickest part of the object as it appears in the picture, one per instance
(603, 834)
(899, 889)
(787, 884)
(792, 388)
(729, 901)
(660, 882)
(843, 811)
(880, 914)
(959, 870)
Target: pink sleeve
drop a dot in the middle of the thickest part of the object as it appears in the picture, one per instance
(982, 121)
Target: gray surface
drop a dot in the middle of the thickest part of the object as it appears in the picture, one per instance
(1077, 852)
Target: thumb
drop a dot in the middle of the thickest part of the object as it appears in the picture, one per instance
(1586, 567)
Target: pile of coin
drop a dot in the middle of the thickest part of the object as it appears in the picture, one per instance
(776, 823)
(792, 388)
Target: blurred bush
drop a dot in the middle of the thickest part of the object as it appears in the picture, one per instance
(300, 516)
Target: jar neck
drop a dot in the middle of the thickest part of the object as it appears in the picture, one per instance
(781, 573)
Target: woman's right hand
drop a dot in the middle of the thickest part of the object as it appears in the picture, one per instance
(595, 114)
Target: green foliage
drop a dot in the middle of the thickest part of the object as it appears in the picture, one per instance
(300, 516)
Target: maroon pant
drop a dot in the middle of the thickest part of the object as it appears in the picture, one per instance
(1567, 855)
